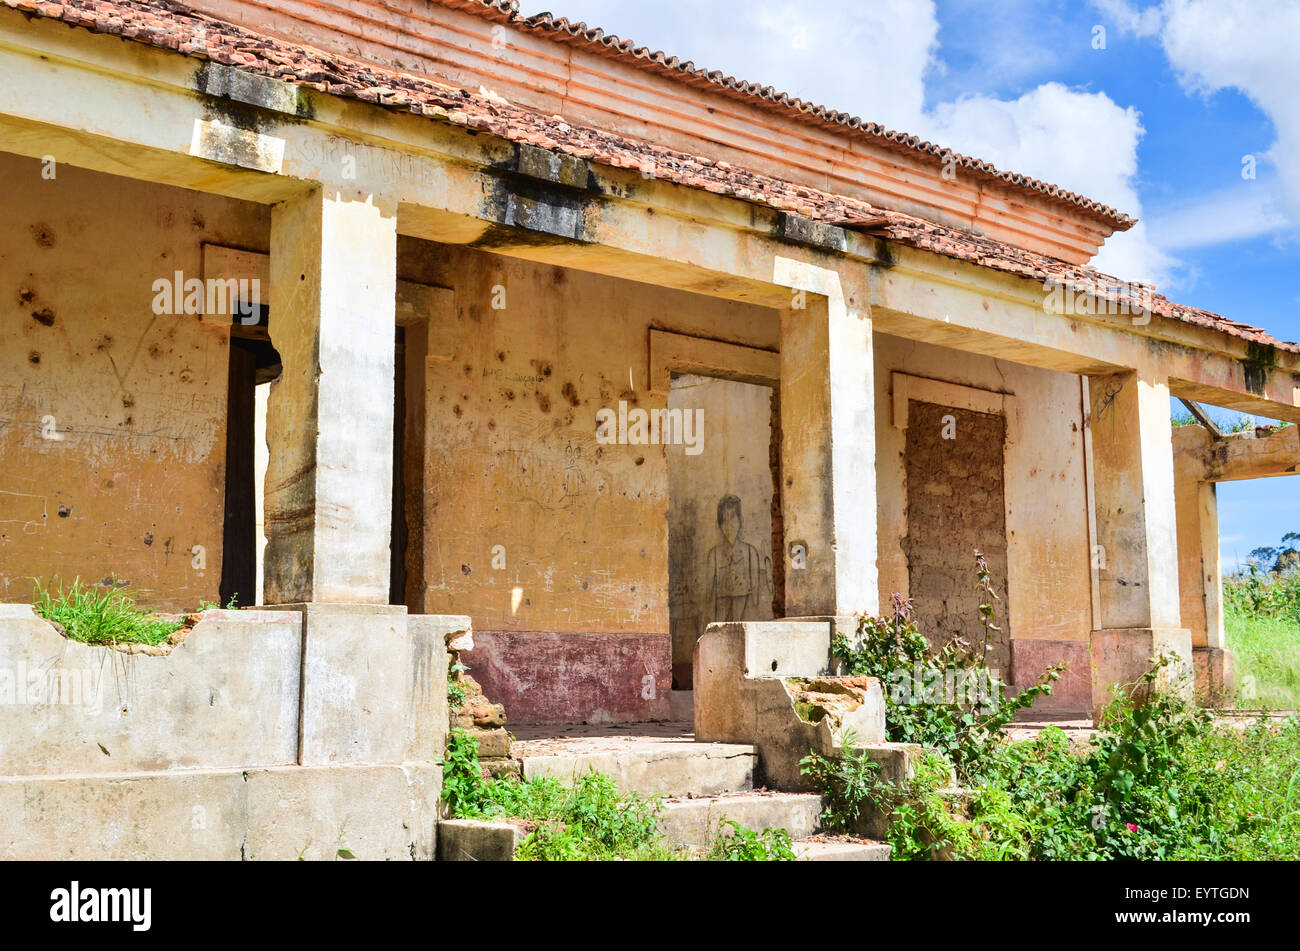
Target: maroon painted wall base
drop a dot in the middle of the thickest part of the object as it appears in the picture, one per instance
(545, 677)
(1072, 694)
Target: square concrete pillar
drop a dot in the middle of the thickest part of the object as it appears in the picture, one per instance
(330, 415)
(828, 447)
(1137, 554)
(1200, 576)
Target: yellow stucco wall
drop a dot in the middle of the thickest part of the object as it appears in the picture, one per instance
(133, 478)
(512, 403)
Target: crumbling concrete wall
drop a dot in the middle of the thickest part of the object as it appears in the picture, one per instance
(112, 416)
(233, 745)
(536, 528)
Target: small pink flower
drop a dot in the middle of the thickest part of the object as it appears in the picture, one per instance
(1131, 827)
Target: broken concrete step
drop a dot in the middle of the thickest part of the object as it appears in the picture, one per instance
(897, 761)
(476, 840)
(655, 769)
(695, 823)
(820, 850)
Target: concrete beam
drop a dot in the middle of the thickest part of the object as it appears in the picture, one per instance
(330, 415)
(1200, 463)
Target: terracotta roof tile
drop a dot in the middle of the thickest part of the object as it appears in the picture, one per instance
(170, 25)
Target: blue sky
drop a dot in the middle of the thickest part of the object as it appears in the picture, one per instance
(1157, 116)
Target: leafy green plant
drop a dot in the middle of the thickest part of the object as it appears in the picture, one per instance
(847, 781)
(455, 689)
(590, 820)
(463, 788)
(963, 727)
(746, 845)
(101, 615)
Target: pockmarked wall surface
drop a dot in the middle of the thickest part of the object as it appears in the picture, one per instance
(112, 413)
(545, 507)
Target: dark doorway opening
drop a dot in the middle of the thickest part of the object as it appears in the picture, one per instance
(253, 361)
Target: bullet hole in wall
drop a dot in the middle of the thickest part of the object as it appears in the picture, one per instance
(43, 235)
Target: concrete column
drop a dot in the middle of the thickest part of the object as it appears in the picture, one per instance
(828, 448)
(330, 416)
(1137, 533)
(1200, 578)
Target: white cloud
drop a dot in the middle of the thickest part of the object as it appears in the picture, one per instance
(1242, 211)
(1250, 46)
(1051, 133)
(873, 59)
(1142, 23)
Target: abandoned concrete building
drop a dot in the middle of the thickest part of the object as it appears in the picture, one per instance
(505, 328)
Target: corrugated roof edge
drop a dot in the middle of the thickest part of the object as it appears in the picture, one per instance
(507, 11)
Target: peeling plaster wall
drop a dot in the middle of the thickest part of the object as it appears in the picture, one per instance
(1048, 547)
(133, 479)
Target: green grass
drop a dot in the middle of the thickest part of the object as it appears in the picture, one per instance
(101, 615)
(1267, 652)
(590, 820)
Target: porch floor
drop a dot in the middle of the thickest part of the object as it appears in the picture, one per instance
(549, 739)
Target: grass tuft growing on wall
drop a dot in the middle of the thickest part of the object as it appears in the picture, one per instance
(101, 615)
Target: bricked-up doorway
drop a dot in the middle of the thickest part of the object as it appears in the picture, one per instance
(955, 469)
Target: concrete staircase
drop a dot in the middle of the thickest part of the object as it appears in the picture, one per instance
(702, 785)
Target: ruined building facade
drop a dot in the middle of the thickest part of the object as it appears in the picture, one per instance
(564, 341)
